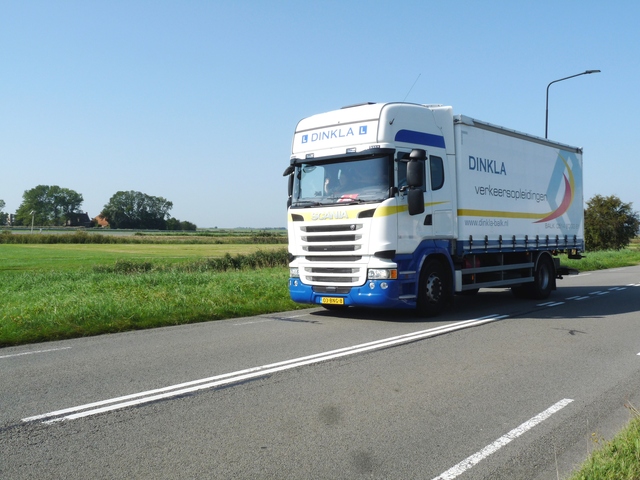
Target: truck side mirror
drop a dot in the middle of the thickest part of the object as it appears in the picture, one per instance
(415, 201)
(415, 181)
(418, 154)
(415, 167)
(415, 173)
(290, 190)
(290, 185)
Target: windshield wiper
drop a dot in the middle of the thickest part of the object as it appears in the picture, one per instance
(350, 201)
(307, 203)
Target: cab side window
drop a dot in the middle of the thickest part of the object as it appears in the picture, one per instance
(436, 171)
(435, 168)
(402, 172)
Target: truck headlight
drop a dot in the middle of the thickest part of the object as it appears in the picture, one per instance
(383, 274)
(294, 272)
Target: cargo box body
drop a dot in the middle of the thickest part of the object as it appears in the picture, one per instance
(513, 187)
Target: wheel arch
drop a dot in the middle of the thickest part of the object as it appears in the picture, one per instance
(444, 258)
(546, 254)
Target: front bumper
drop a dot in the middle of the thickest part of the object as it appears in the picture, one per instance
(371, 294)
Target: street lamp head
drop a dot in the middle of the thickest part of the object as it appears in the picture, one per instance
(546, 120)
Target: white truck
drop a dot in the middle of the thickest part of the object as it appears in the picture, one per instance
(400, 205)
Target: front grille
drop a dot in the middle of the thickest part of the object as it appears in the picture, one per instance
(337, 258)
(331, 248)
(332, 238)
(335, 264)
(323, 289)
(336, 275)
(331, 228)
(331, 270)
(333, 279)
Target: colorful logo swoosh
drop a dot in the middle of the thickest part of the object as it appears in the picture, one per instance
(567, 200)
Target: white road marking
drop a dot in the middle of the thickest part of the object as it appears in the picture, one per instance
(250, 373)
(34, 352)
(469, 462)
(550, 304)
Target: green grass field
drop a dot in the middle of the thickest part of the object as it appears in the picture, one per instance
(63, 290)
(69, 257)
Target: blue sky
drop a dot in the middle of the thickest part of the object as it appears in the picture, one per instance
(196, 101)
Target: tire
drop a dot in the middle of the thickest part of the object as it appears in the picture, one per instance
(543, 278)
(434, 290)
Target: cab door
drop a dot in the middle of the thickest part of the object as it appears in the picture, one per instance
(440, 185)
(412, 229)
(437, 219)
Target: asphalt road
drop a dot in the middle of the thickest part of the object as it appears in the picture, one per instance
(496, 388)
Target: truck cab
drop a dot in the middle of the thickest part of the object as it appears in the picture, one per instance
(352, 237)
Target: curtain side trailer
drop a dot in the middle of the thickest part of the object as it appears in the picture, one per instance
(403, 205)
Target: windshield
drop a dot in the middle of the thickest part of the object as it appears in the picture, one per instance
(357, 181)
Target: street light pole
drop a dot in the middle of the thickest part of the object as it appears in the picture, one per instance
(546, 120)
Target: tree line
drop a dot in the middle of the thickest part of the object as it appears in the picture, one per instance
(54, 206)
(609, 223)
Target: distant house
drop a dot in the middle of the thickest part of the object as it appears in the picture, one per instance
(79, 219)
(101, 221)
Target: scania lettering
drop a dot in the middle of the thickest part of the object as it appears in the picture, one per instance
(329, 215)
(398, 205)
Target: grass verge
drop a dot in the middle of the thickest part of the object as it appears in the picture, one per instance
(66, 290)
(136, 294)
(617, 459)
(604, 259)
(57, 305)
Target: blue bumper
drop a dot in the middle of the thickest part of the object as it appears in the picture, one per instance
(371, 294)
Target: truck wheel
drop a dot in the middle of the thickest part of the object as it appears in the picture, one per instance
(542, 279)
(434, 289)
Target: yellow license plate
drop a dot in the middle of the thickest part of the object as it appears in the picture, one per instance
(332, 300)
